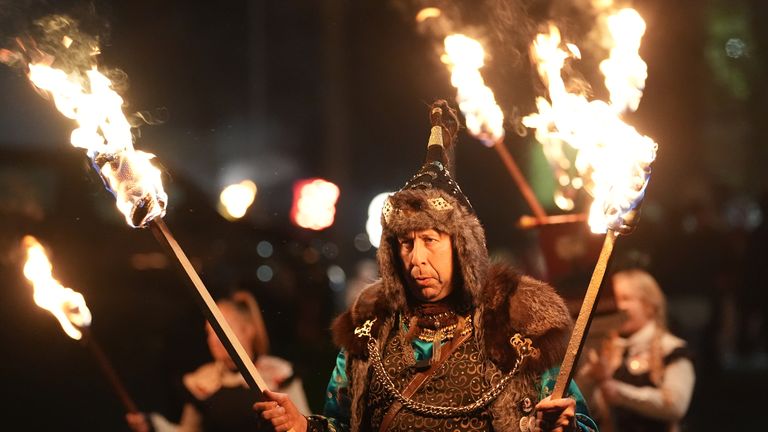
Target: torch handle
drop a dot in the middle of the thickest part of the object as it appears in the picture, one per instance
(526, 222)
(211, 310)
(109, 372)
(522, 183)
(580, 328)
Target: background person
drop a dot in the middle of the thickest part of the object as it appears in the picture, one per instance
(218, 398)
(642, 378)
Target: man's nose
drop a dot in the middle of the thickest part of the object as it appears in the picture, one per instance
(419, 253)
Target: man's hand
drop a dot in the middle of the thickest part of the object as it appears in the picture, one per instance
(556, 415)
(280, 411)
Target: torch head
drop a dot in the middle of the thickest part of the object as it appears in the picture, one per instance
(622, 209)
(629, 221)
(135, 183)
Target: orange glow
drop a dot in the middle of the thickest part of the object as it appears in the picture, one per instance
(427, 13)
(236, 198)
(464, 57)
(66, 305)
(612, 160)
(105, 133)
(314, 203)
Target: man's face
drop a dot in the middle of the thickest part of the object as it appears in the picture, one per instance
(428, 262)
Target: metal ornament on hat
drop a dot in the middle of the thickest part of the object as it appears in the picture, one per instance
(434, 173)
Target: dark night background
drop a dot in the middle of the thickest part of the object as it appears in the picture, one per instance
(284, 90)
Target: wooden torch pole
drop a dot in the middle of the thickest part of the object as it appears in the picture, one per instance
(109, 371)
(580, 328)
(519, 179)
(526, 222)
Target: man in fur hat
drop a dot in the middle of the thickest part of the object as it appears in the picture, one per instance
(444, 341)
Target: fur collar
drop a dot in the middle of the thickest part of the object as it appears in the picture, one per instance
(508, 303)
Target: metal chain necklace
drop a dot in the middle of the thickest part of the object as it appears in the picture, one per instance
(432, 410)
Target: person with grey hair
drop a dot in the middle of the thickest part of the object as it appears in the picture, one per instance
(444, 340)
(642, 379)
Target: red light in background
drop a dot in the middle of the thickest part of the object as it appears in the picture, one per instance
(314, 203)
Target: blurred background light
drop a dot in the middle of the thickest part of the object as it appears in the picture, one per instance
(373, 224)
(314, 203)
(235, 199)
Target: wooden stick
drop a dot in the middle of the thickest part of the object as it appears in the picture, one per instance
(517, 176)
(109, 371)
(526, 221)
(580, 328)
(211, 310)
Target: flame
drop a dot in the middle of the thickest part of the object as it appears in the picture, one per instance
(464, 57)
(613, 159)
(105, 133)
(624, 70)
(66, 305)
(236, 198)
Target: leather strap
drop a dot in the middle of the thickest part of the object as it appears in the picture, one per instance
(420, 378)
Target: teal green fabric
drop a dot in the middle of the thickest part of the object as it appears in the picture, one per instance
(583, 418)
(337, 403)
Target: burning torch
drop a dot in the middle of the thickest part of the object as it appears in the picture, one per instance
(69, 308)
(464, 57)
(613, 159)
(88, 97)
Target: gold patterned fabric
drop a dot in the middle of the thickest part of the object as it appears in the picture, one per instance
(462, 379)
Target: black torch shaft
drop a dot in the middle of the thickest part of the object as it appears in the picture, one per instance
(109, 371)
(210, 309)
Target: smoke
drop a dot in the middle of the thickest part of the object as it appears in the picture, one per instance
(29, 28)
(506, 29)
(507, 25)
(574, 19)
(35, 33)
(65, 35)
